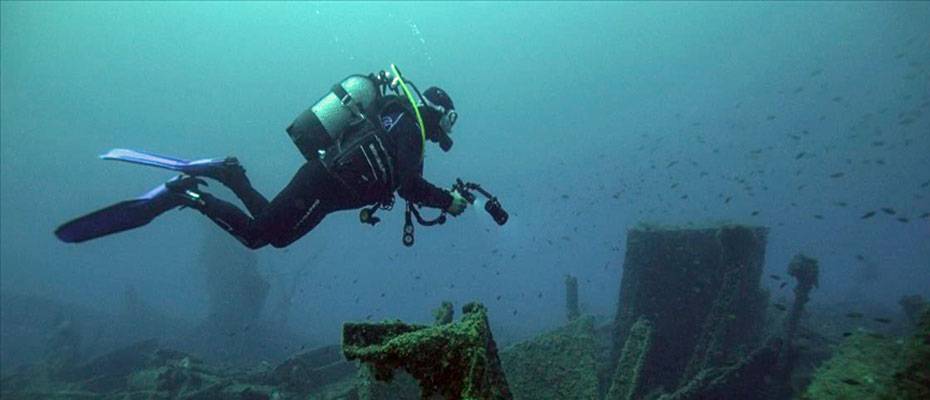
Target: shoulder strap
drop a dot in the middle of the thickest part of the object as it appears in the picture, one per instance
(413, 104)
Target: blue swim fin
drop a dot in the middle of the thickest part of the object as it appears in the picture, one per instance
(190, 167)
(130, 214)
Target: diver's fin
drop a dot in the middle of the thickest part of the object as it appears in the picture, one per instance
(194, 167)
(128, 214)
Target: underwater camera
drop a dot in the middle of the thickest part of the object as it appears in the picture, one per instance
(492, 205)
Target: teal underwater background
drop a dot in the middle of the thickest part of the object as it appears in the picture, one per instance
(584, 118)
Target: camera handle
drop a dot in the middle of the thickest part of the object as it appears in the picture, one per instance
(465, 189)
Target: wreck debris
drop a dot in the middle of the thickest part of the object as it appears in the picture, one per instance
(866, 366)
(401, 387)
(311, 370)
(138, 371)
(63, 352)
(912, 380)
(627, 384)
(444, 314)
(561, 364)
(699, 288)
(456, 360)
(804, 269)
(913, 306)
(710, 348)
(747, 379)
(571, 297)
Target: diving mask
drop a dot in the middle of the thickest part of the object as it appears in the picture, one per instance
(448, 118)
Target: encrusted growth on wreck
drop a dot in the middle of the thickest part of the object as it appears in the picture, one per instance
(561, 364)
(457, 360)
(700, 290)
(627, 381)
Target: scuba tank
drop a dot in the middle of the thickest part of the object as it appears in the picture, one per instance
(319, 128)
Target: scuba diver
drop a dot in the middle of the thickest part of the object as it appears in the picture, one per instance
(363, 141)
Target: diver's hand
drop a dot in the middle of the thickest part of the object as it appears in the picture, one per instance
(458, 204)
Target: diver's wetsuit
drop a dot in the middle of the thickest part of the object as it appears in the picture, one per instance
(365, 173)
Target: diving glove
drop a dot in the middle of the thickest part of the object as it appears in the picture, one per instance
(458, 204)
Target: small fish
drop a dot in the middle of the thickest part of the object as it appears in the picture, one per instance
(837, 175)
(847, 334)
(925, 184)
(770, 118)
(816, 72)
(840, 204)
(565, 197)
(818, 216)
(850, 381)
(775, 277)
(889, 211)
(860, 257)
(876, 336)
(684, 197)
(727, 200)
(754, 213)
(903, 220)
(867, 215)
(925, 215)
(671, 164)
(800, 155)
(878, 143)
(838, 99)
(780, 307)
(783, 284)
(882, 320)
(854, 315)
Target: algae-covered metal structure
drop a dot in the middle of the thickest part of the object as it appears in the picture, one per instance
(690, 324)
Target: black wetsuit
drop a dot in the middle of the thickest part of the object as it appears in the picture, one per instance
(366, 172)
